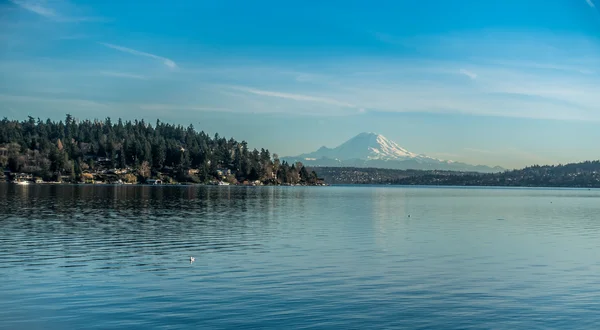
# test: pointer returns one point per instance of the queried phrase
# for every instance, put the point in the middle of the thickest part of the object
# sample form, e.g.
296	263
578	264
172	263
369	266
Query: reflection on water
289	257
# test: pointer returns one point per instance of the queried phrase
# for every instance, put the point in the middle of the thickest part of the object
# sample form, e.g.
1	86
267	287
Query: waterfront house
20	178
23	176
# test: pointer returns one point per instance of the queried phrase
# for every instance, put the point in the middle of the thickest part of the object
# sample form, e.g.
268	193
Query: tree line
50	149
582	175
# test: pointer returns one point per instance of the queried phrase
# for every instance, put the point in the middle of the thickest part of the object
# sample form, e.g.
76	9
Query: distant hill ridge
574	175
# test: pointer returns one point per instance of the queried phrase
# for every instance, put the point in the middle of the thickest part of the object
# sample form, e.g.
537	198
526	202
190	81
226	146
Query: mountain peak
367	134
372	149
365	146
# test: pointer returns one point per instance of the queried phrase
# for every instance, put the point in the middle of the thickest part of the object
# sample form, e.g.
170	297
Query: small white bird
192	259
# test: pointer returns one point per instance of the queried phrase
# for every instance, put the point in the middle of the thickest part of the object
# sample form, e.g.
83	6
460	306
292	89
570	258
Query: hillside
81	151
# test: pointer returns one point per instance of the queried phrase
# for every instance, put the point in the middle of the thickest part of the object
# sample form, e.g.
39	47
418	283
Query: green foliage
52	149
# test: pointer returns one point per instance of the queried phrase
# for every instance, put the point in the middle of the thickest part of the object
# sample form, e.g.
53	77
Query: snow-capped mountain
366	146
375	150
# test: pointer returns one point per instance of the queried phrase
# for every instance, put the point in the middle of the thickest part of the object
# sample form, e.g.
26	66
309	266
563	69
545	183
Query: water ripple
298	257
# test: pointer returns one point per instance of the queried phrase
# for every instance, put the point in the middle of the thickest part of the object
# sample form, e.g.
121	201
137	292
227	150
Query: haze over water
100	257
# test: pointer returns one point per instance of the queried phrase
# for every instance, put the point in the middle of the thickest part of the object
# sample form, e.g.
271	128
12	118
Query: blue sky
508	83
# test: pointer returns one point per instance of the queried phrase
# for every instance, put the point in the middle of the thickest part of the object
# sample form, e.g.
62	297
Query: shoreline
156	185
300	185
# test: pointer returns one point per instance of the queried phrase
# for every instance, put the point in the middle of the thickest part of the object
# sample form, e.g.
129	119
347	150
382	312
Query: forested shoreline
103	151
577	175
135	152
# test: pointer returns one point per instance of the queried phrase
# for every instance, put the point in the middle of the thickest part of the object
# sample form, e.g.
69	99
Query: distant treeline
362	175
50	149
585	174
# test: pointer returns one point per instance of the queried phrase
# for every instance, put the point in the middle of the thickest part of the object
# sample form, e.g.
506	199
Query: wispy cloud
537	65
591	3
295	97
468	73
172	107
168	62
122	75
67	101
39	7
549	87
36	7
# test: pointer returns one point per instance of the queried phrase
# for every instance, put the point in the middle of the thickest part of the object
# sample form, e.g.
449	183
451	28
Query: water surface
99	257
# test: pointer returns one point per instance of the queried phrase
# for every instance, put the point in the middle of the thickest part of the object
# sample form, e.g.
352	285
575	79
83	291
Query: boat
221	183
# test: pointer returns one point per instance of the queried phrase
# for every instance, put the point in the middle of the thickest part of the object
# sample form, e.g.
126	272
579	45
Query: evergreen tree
50	149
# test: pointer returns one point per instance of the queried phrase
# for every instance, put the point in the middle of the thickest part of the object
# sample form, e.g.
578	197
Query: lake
345	257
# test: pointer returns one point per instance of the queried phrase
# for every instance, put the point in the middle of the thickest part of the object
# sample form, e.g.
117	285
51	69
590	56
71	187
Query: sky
499	82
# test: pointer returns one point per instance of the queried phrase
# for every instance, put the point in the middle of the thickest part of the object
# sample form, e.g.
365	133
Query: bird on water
192	259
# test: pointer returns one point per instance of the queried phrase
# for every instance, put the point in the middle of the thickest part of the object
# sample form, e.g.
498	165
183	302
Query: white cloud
122	75
39	7
591	3
541	66
405	86
295	97
168	62
67	101
469	74
547	86
80	104
35	7
180	107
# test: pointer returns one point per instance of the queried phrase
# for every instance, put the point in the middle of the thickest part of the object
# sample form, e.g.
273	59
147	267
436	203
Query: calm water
298	257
